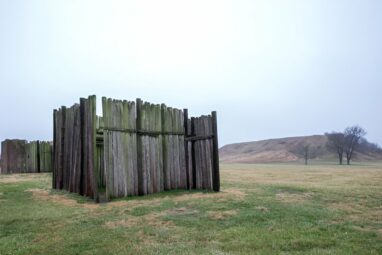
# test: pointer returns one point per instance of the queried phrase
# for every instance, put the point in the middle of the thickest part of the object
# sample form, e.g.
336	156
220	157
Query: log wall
20	156
135	148
74	148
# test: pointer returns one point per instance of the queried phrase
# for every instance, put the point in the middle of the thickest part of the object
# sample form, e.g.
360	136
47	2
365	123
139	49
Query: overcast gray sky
270	68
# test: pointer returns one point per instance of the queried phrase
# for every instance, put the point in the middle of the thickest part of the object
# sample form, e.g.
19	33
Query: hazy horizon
271	69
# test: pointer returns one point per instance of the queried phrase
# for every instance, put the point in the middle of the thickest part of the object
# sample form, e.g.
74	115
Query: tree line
343	144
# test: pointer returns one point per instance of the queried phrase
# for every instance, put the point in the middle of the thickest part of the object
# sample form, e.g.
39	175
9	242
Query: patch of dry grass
44	195
292	197
220	215
151	219
17	178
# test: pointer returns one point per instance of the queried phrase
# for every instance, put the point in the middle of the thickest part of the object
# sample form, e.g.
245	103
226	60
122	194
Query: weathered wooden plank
176	150
54	157
38	158
62	148
166	173
152	168
204	153
182	151
200	155
193	152
66	151
90	173
133	150
216	170
158	150
170	149
160	164
146	173
80	183
208	152
186	147
108	149
140	154
93	138
197	156
75	150
57	149
196	161
189	161
152	148
125	154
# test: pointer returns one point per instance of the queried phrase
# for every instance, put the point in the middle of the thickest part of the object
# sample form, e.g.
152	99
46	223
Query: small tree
336	143
304	150
353	136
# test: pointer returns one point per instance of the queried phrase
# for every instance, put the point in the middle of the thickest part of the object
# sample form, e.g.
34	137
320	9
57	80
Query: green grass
262	209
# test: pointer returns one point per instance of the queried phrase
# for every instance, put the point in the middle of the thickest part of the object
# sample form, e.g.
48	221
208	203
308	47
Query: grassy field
262	209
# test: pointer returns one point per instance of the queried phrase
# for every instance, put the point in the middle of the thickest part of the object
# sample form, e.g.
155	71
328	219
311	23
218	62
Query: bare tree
353	136
336	143
306	153
304	150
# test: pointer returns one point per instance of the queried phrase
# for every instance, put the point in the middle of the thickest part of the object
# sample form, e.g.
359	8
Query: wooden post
38	157
62	146
82	153
92	143
139	147
193	153
54	149
164	119
185	124
216	173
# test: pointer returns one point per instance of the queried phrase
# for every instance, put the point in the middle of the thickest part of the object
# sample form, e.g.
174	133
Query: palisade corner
134	148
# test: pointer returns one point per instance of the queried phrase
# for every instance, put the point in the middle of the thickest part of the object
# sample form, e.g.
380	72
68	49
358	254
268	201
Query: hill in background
289	149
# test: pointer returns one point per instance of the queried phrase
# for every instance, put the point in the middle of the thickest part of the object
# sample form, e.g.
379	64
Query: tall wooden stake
193	154
185	112
216	173
139	147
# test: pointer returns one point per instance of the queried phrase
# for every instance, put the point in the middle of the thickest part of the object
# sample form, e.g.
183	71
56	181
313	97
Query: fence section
13	156
20	156
150	154
74	148
174	159
32	157
67	149
120	148
135	148
202	150
44	156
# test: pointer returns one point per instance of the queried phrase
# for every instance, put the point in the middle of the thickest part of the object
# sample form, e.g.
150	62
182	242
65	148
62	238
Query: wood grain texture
120	148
